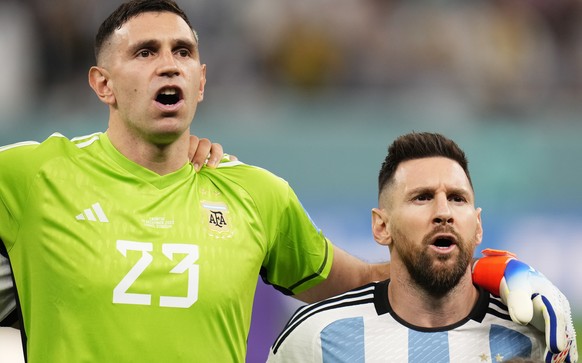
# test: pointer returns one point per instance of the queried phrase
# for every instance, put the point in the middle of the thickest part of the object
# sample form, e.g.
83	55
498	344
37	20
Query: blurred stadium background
315	90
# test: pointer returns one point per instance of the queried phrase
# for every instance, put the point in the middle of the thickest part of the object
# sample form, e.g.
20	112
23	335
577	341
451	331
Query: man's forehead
432	170
153	25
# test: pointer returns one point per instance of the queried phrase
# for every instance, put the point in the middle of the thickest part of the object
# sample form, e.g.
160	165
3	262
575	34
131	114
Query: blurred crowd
494	55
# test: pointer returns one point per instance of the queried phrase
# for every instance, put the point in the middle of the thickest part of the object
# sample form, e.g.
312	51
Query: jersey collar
145	174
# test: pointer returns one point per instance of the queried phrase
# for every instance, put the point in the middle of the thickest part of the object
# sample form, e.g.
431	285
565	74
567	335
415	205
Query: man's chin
167	134
163	141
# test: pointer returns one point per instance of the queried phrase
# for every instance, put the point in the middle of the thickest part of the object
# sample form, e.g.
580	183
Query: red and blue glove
531	299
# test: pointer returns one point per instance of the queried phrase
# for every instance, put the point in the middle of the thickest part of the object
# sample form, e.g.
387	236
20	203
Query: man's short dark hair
131	9
419	145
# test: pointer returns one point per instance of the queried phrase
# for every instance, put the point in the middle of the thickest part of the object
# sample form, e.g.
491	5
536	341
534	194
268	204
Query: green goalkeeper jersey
114	263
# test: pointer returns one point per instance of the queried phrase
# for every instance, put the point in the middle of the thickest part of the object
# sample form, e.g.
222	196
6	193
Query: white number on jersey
120	294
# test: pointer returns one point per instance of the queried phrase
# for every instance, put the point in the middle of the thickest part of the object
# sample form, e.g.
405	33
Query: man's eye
457	199
144	53
423	197
184	52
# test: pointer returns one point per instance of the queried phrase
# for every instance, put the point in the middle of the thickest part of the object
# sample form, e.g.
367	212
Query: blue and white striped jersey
360	326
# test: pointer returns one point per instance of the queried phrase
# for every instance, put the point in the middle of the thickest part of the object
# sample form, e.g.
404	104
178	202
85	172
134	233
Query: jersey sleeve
293	351
14	183
21	165
298	342
14	186
300	256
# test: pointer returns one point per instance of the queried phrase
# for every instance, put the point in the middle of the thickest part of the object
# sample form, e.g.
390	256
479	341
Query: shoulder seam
229	164
18	144
84	141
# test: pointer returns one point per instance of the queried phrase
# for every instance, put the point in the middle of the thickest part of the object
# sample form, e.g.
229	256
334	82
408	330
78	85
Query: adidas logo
94	214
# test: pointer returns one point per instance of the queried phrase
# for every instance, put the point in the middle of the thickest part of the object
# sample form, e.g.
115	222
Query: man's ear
380	224
99	81
202	82
479	232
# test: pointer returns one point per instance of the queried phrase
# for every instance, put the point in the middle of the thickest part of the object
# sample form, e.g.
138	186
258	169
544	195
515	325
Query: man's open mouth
443	242
169	96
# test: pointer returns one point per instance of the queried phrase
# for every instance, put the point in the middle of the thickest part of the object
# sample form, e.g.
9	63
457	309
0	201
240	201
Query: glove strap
489	270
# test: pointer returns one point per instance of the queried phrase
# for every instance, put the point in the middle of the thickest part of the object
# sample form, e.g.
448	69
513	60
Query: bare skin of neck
417	307
163	157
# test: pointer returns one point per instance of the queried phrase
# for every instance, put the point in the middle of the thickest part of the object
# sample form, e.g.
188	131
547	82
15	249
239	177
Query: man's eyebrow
420	190
464	192
430	190
154	44
188	44
144	44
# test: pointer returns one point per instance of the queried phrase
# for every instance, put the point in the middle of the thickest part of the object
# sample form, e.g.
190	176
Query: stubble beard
434	274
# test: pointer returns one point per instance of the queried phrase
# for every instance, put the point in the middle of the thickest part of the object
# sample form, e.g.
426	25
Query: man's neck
416	306
160	158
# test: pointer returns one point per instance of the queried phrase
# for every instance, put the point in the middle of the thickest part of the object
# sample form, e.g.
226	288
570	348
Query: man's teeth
169	92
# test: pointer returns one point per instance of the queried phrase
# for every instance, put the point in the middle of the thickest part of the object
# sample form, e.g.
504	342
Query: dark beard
437	280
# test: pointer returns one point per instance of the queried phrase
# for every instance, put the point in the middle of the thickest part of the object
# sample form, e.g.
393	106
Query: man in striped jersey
429	310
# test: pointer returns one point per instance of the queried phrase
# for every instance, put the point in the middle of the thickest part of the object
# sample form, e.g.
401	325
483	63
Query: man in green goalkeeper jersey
121	250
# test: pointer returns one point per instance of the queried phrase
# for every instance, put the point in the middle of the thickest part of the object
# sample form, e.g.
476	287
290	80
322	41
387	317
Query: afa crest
217	218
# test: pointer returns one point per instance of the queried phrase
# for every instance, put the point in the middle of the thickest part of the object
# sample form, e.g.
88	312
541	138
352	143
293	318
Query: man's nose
443	213
168	65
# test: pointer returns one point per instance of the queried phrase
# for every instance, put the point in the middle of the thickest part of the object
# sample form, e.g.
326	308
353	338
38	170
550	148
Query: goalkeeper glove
531	299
